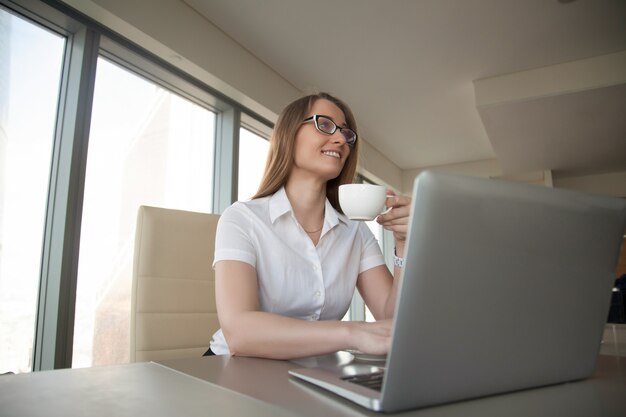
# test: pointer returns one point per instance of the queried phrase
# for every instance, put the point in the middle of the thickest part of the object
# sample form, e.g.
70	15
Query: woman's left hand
397	219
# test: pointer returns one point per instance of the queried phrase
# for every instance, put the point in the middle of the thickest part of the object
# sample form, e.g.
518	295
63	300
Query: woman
287	261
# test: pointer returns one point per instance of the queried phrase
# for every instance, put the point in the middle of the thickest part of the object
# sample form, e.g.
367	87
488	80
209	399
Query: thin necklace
315	231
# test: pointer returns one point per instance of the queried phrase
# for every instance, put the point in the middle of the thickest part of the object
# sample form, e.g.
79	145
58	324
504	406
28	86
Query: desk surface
233	386
604	394
132	390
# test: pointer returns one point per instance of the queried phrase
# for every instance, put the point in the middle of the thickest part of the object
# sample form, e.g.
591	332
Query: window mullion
57	294
226	159
357	307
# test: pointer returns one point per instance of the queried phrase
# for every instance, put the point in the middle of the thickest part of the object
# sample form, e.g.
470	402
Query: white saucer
366	357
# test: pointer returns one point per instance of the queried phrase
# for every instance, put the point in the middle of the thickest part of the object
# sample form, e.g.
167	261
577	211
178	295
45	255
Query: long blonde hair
280	159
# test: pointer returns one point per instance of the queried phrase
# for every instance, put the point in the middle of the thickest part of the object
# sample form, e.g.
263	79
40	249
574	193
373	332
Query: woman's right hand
371	337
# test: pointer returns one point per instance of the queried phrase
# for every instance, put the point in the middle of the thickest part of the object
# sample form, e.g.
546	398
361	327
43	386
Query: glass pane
378	231
147	146
253	151
30	73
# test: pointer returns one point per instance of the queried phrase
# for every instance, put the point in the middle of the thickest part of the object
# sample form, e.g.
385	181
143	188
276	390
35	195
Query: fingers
399	214
394	200
382	327
374	337
396	220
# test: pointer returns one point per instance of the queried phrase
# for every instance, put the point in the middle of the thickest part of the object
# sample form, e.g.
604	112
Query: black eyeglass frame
315	118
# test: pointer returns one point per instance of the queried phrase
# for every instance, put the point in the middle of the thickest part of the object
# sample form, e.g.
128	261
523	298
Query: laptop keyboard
372	380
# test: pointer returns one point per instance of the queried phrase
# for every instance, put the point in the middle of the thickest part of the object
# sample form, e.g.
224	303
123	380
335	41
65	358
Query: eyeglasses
325	124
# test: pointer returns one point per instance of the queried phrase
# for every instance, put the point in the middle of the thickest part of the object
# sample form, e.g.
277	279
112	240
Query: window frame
86	40
357	305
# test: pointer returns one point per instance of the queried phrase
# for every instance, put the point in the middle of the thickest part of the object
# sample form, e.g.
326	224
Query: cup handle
388	209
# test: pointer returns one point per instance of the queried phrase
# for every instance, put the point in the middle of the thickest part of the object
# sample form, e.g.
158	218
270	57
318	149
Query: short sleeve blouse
295	278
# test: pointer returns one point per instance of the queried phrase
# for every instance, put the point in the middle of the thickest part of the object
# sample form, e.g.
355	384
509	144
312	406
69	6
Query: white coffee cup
362	201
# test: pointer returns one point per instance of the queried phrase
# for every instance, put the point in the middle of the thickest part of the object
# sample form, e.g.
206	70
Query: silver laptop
507	286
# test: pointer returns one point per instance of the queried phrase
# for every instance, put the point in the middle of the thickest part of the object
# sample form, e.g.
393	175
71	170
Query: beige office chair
173	313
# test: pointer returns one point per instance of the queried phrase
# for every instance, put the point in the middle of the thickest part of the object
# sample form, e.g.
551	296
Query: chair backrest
173	313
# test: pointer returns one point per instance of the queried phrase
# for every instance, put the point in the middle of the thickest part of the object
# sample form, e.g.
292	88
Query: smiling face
317	154
288	144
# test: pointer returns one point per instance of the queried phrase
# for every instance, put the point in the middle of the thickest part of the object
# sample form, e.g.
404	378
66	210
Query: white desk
604	394
133	390
225	386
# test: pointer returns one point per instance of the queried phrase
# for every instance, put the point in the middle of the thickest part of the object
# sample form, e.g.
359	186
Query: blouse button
317	293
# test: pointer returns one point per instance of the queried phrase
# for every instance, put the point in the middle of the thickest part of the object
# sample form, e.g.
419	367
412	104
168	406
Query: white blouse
295	278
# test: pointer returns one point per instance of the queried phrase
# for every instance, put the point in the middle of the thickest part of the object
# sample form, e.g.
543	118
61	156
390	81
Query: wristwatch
397	261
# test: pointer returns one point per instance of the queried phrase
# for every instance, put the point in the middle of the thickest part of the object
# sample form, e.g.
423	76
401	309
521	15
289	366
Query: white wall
488	168
176	33
611	184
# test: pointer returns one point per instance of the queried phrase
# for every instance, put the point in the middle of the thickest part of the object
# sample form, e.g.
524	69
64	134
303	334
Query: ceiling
408	70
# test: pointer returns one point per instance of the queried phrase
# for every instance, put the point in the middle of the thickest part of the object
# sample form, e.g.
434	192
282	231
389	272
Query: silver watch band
399	262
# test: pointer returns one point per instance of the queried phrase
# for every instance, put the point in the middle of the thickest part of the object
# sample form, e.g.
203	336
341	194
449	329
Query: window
379	233
92	126
30	71
147	146
253	150
358	310
99	128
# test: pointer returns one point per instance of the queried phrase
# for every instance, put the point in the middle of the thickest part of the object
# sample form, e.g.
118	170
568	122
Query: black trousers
209	353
